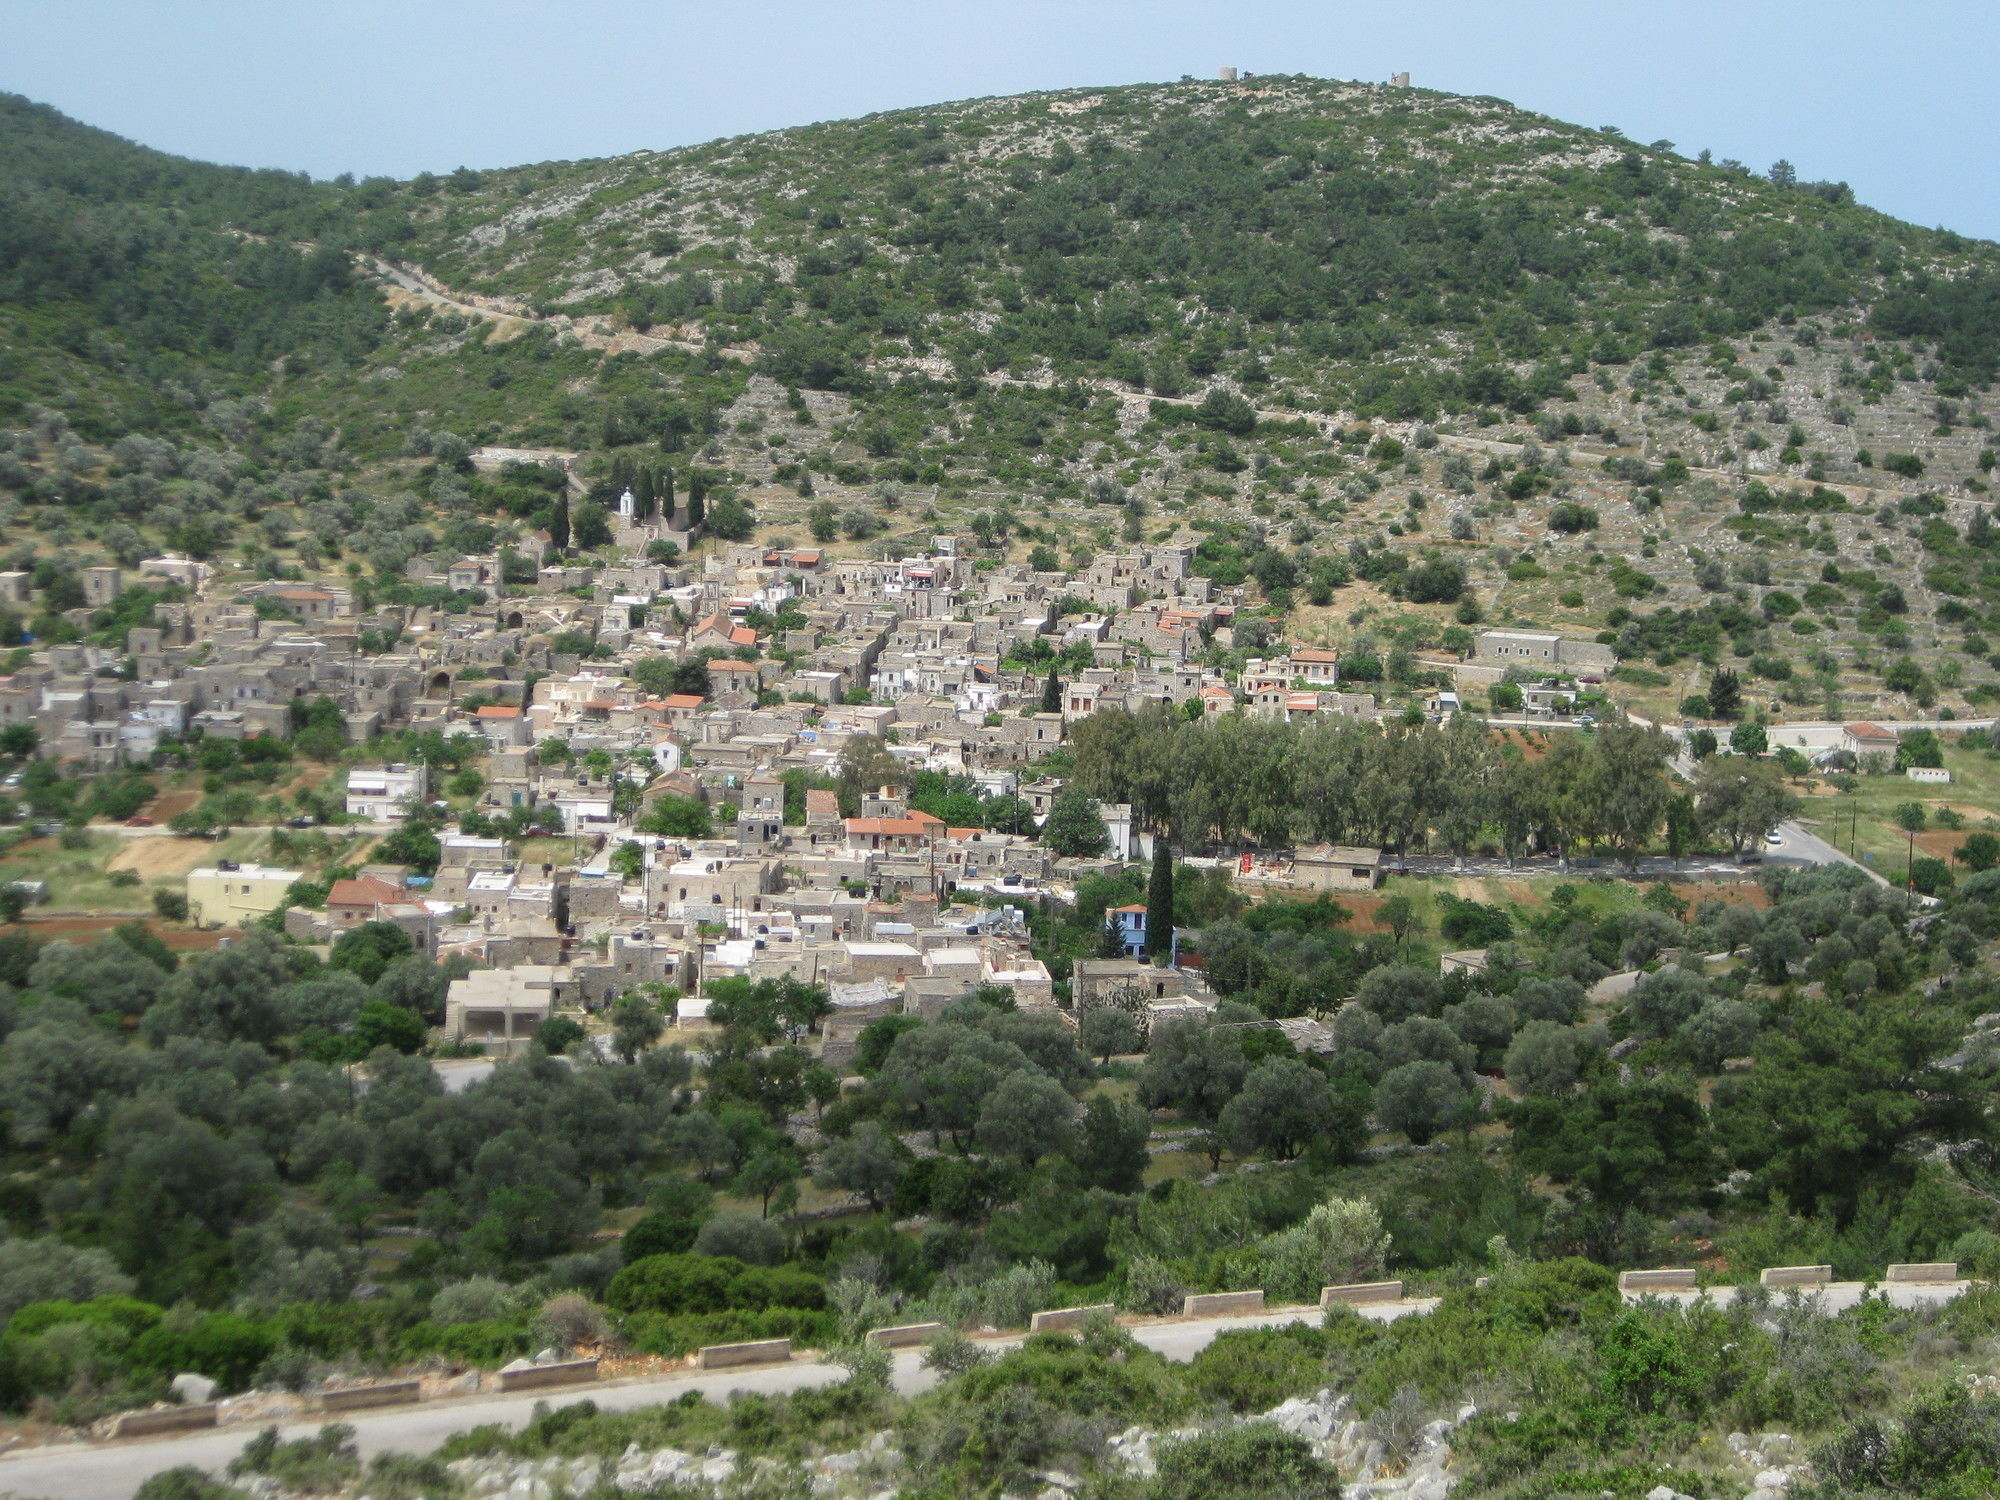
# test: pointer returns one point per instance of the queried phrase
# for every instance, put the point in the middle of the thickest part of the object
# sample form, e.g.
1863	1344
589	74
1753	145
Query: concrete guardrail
569	1372
163	1419
1675	1280
1358	1292
904	1335
361	1397
1795	1276
1068	1317
1932	1272
758	1352
1220	1304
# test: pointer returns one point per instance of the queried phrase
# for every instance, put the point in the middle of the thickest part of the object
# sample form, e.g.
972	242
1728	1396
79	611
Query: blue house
1131	924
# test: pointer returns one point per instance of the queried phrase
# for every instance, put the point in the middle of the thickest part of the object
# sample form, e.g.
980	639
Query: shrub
1254	1459
743	1237
710	1283
661	1232
1253	1369
482	1299
486	1343
45	1270
185	1482
225	1346
1341	1240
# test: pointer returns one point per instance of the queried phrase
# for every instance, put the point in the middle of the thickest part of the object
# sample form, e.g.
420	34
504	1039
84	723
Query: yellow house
229	894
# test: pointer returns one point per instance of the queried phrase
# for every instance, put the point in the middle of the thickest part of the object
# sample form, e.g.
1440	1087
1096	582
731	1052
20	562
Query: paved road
1802	843
113	1471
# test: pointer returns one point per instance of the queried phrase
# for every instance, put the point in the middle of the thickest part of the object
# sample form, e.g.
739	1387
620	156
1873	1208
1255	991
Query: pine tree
1160	900
559	523
1052	694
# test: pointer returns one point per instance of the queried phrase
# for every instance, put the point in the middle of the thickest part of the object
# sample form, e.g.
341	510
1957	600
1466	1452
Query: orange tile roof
910	825
363	890
499	711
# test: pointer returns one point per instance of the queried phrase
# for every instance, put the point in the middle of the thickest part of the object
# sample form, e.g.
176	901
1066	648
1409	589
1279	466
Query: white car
1774	838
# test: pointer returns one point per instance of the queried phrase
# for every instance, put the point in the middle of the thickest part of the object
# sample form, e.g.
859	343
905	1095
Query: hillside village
908	655
922	662
1256	785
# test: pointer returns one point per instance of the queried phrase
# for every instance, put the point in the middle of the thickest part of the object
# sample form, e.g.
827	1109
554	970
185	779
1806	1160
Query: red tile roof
364	890
916	823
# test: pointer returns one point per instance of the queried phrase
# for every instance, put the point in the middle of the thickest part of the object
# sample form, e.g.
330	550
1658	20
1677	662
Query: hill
1324	329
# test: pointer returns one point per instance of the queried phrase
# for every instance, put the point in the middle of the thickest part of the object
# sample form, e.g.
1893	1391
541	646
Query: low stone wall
1679	1279
1358	1292
361	1397
1221	1304
1930	1272
904	1335
534	1377
1068	1317
761	1352
163	1419
1796	1276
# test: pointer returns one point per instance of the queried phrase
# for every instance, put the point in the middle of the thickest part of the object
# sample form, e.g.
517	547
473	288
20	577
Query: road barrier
1220	1304
1681	1279
759	1352
1359	1292
361	1397
1924	1273
533	1377
904	1335
1068	1317
163	1419
1795	1276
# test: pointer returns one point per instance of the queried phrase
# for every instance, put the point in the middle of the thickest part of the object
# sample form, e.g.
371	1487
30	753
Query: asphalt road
113	1471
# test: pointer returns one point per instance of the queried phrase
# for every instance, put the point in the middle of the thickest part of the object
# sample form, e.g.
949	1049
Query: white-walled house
378	793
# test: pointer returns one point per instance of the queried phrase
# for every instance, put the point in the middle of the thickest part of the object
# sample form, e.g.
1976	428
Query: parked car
1774	838
138	820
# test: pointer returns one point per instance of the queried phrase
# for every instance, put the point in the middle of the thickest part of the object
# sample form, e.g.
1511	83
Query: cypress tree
559	522
1052	694
1160	899
697	494
667	492
642	494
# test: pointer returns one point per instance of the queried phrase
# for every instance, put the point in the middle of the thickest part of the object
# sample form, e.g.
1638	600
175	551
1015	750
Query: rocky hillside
1322	328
